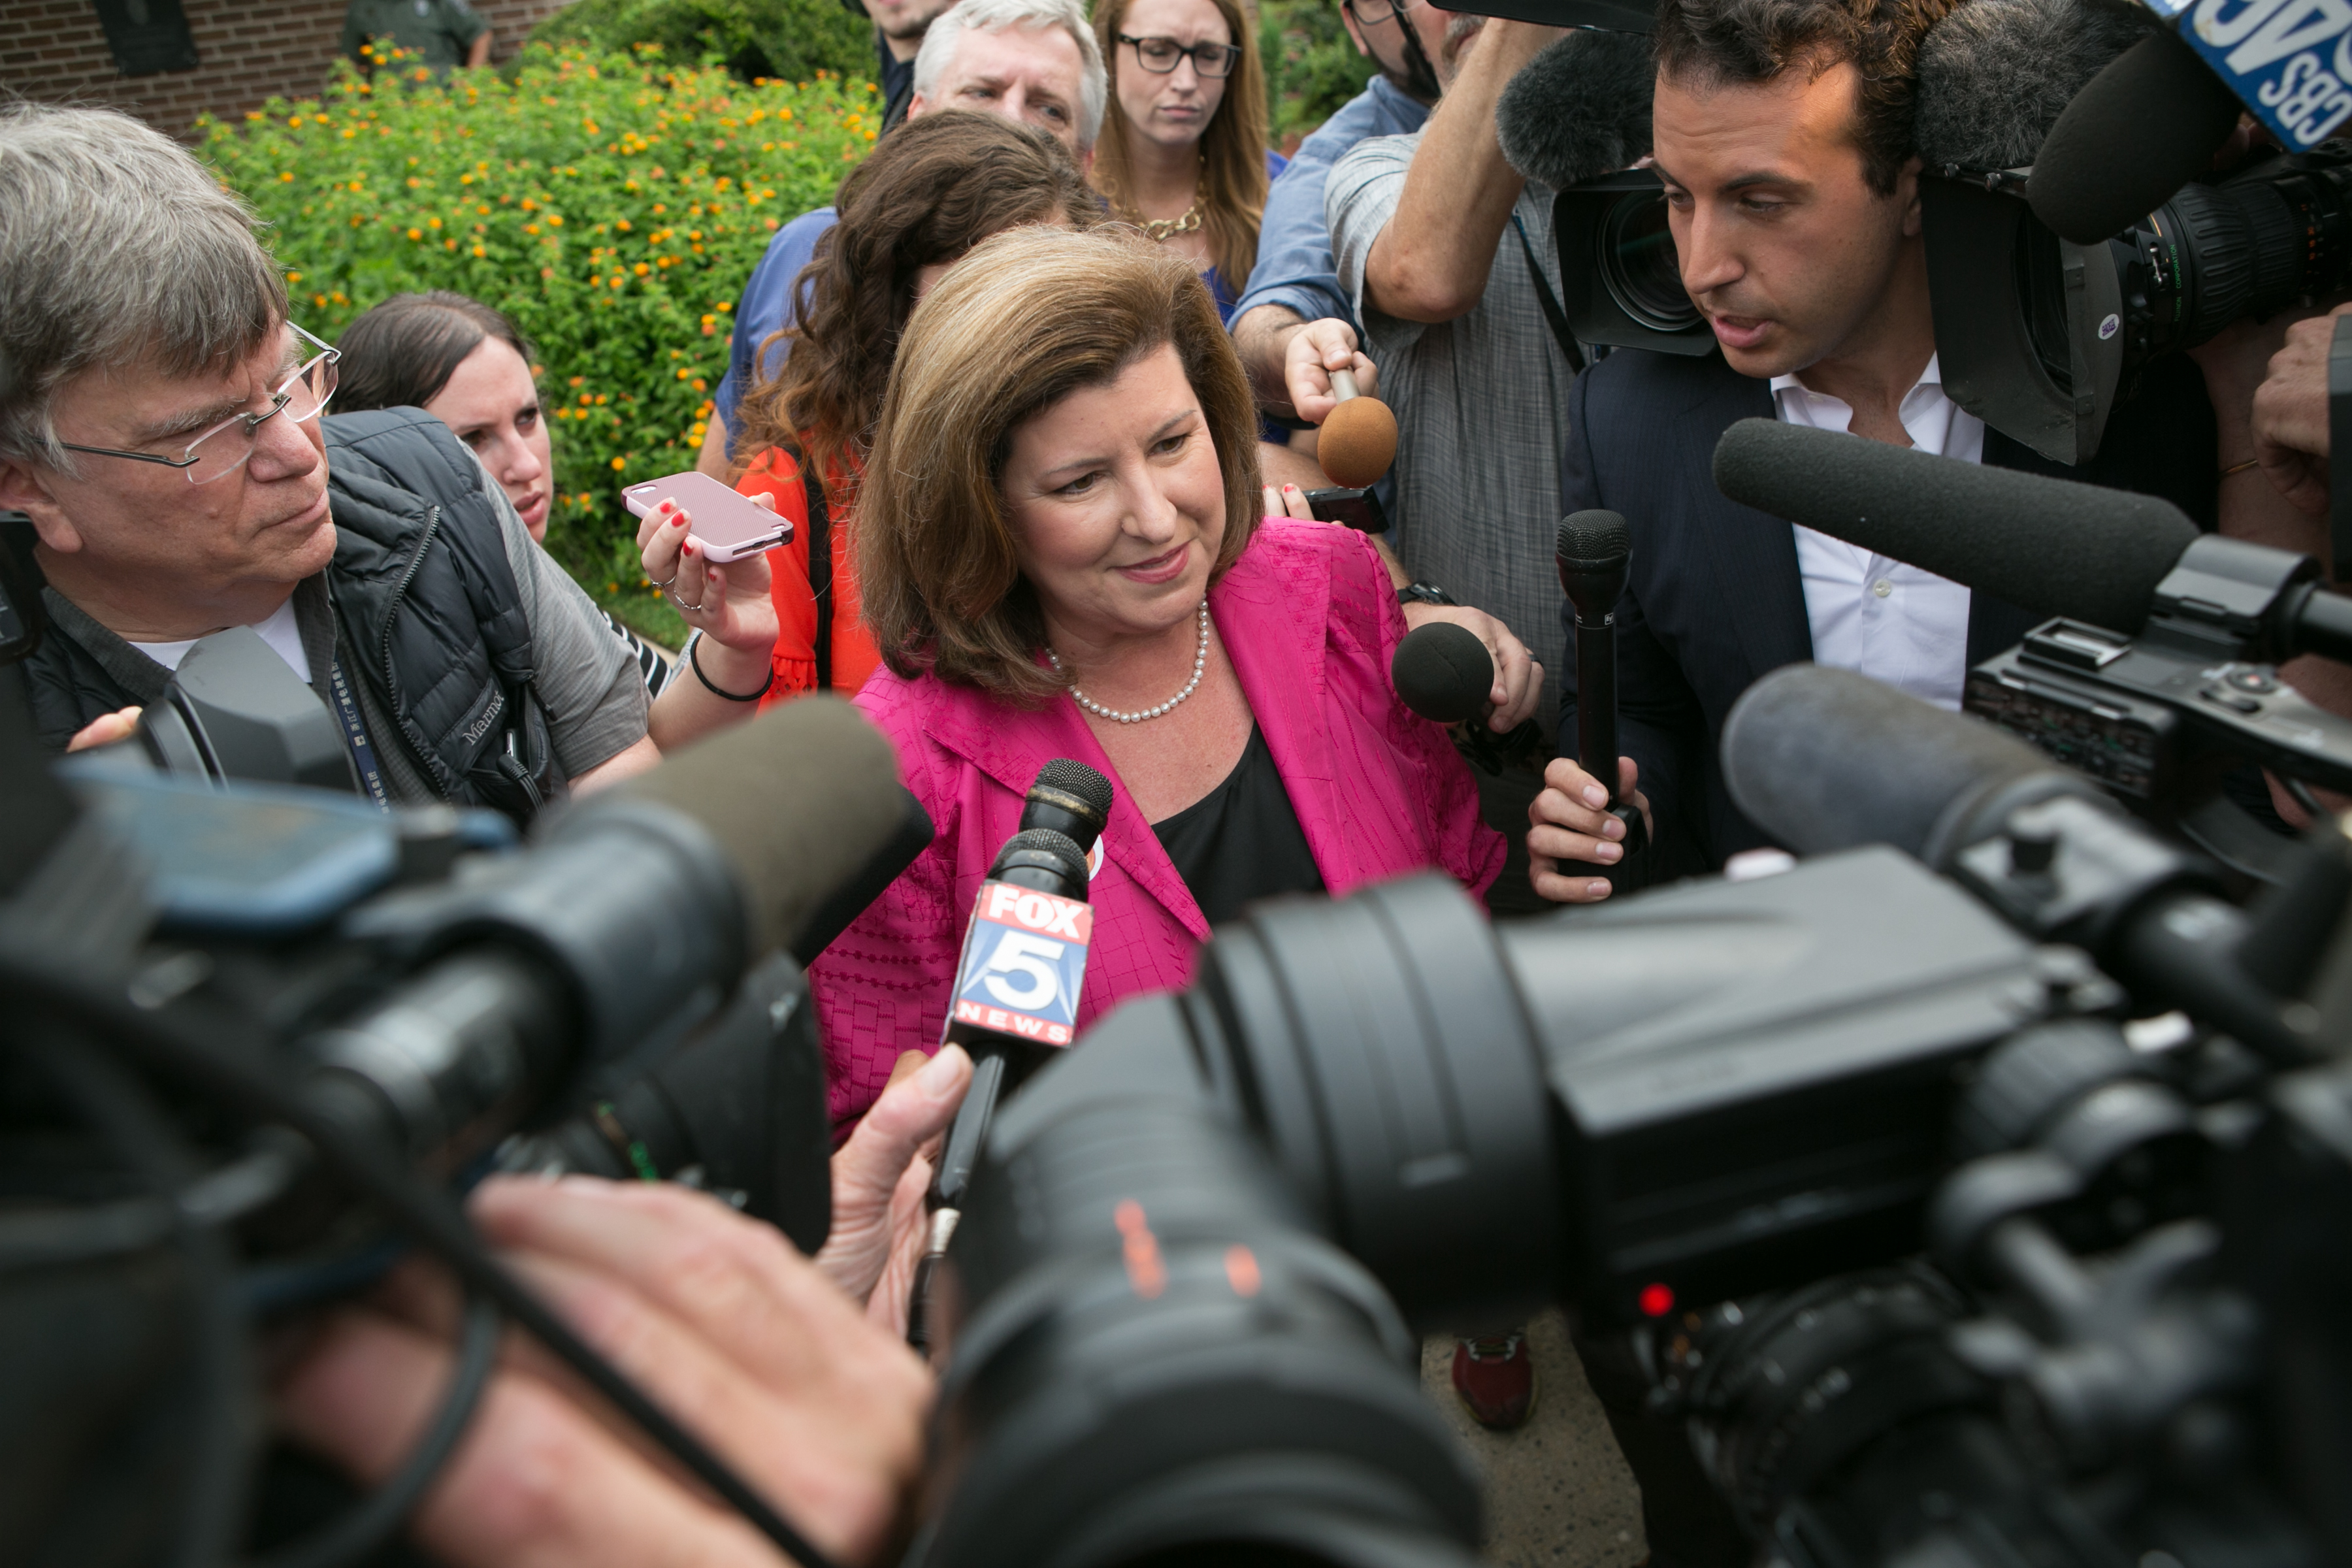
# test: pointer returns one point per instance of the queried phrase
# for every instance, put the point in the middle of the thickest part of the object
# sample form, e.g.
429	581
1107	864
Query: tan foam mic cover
1359	442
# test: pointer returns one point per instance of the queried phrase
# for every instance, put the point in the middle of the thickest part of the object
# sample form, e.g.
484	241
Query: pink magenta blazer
1309	620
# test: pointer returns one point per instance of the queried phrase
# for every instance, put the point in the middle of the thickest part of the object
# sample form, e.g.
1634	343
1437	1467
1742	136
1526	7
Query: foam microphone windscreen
2052	546
2138	131
1825	760
1443	672
1357	443
1579	110
804	800
1995	75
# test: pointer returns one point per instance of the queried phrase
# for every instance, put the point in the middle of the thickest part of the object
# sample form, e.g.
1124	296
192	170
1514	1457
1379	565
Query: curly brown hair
932	190
1038	315
1708	42
1233	147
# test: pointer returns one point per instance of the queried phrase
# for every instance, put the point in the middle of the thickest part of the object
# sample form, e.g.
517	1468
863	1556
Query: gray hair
116	249
1001	16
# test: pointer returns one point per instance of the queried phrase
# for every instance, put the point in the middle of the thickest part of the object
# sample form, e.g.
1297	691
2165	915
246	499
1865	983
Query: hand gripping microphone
1017	983
1595	549
1443	672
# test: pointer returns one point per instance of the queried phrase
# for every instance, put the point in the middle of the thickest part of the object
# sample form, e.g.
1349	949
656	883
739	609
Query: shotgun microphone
1594	551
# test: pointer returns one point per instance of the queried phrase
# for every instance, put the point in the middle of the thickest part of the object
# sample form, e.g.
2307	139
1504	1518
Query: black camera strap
1551	303
2339	444
820	565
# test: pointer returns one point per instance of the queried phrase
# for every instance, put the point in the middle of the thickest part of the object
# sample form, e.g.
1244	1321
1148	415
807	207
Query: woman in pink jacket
1061	553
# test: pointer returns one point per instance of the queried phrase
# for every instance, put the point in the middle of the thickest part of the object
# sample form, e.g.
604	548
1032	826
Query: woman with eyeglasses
1184	157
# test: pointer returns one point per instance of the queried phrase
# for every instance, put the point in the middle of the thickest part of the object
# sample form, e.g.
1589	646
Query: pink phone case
726	526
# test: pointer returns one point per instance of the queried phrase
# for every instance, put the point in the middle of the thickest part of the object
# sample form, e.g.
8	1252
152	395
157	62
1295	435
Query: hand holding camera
713	1313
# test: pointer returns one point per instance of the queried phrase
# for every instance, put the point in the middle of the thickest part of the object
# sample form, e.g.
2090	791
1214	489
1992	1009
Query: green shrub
1312	67
790	39
613	207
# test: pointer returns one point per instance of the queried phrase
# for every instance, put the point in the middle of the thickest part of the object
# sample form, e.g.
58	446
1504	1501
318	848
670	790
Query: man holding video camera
165	437
1782	135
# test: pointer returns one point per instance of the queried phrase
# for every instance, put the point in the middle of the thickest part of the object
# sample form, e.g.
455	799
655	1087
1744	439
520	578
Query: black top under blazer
1714	600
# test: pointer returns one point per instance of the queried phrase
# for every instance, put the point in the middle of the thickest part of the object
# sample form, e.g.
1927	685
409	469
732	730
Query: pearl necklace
1199	662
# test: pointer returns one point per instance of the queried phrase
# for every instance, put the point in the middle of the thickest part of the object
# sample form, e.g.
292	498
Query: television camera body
1936	1262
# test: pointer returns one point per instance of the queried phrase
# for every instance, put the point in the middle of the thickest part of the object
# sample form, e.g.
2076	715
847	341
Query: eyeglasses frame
328	354
1184	51
1395	10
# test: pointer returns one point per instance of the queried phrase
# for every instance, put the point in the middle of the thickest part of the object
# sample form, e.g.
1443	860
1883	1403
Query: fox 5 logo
1026	955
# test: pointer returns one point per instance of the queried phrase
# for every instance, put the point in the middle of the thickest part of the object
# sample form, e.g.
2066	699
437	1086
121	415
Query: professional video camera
2042	335
252	1035
1942	1258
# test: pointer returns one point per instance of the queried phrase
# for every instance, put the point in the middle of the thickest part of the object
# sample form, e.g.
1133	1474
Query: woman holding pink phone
465	363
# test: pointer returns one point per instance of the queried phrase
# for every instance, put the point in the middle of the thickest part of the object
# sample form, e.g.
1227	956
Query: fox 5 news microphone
1018	979
1594	551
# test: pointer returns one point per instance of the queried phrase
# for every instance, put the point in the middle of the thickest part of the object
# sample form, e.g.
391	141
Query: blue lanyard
355	733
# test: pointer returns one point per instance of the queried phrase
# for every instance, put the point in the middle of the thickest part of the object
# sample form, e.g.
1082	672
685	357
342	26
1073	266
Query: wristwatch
1423	594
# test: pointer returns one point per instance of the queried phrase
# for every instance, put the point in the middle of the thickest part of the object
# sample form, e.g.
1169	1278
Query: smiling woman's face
1117	504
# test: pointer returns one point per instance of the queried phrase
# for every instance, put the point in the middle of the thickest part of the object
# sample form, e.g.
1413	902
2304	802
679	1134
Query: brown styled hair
930	190
1706	42
1233	147
1035	315
401	353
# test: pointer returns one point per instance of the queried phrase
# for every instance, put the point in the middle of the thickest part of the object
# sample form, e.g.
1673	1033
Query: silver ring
682	605
665	586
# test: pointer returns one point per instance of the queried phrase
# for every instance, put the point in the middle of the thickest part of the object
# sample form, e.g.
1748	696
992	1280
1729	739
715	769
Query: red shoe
1495	1379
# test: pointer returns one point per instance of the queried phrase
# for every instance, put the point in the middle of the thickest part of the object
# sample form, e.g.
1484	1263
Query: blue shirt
766	307
1295	265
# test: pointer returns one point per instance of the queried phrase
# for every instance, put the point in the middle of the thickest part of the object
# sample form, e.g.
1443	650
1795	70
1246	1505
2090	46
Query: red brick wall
250	50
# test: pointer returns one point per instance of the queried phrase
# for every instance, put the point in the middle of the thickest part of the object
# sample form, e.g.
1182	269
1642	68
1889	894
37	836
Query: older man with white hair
164	435
1032	61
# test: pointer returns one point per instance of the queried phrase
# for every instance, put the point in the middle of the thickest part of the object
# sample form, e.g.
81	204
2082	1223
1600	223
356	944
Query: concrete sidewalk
1557	1492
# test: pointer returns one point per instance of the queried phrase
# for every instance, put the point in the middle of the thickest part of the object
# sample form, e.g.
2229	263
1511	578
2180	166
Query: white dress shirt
1893	623
278	630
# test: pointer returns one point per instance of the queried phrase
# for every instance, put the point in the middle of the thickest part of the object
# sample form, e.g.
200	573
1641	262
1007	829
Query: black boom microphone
2110	557
2165	640
1825	760
2052	546
1595	551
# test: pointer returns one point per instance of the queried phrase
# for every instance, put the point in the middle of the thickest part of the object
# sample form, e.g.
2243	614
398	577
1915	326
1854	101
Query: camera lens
1639	263
1154	1359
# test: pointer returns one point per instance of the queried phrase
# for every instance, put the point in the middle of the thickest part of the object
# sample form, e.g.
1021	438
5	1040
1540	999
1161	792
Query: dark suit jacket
1714	600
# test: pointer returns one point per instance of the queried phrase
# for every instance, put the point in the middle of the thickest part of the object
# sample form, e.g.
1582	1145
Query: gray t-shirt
1482	412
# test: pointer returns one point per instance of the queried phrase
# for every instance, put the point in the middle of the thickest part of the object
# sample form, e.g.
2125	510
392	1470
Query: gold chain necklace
1164	229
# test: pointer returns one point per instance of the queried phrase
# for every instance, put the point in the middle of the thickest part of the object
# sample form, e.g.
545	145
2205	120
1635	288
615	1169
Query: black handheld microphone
1443	672
1595	550
1015	1001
